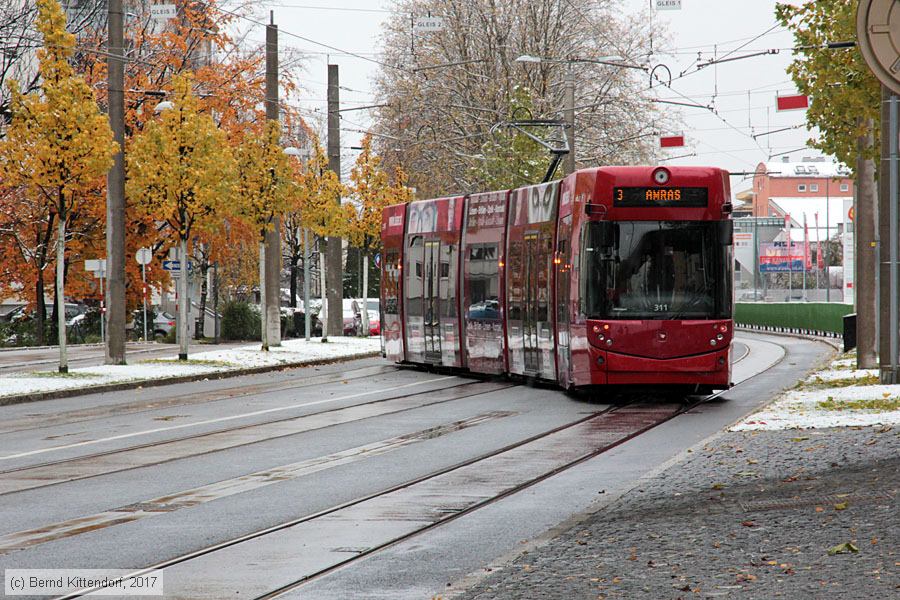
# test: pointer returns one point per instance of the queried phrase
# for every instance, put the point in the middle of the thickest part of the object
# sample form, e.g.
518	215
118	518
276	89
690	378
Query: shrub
138	331
240	321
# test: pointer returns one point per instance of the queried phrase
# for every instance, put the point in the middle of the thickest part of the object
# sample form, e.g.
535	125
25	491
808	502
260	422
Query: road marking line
218	420
229	487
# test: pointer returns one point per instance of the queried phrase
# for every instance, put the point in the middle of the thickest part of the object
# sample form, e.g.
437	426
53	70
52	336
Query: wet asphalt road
131	479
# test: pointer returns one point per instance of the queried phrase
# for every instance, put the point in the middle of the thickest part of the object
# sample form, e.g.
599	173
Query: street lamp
163	106
181	321
303	155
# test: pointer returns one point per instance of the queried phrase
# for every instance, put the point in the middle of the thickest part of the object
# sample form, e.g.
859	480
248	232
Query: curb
831	341
148	383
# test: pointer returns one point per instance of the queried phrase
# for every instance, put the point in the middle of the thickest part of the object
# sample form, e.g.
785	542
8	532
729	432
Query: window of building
845	187
814	187
801	187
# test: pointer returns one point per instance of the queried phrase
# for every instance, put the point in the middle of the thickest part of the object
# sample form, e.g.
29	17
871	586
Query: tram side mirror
726	232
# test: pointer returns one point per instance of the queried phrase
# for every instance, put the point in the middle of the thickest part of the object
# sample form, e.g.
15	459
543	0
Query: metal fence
815	318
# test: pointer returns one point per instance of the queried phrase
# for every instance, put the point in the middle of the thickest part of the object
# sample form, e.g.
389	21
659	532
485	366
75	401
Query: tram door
432	264
530	313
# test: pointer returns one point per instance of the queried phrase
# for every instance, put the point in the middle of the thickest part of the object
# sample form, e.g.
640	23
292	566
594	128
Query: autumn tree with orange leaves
264	178
57	146
181	172
315	195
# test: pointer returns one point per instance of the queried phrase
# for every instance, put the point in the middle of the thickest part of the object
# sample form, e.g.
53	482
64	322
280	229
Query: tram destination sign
657	196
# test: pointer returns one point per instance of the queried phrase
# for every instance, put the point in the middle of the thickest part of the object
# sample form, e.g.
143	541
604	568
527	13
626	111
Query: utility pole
888	225
115	192
334	269
272	244
865	227
570	118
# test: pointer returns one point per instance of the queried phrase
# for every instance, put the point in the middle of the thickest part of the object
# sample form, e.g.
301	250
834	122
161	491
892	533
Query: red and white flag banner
792	102
671	141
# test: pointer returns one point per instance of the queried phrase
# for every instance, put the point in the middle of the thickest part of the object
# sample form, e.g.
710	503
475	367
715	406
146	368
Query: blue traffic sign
175	265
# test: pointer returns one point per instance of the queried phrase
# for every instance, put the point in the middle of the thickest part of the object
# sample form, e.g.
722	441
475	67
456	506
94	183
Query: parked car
163	324
21	313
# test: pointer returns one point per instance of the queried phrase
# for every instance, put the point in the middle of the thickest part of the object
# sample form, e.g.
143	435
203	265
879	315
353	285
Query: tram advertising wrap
614	276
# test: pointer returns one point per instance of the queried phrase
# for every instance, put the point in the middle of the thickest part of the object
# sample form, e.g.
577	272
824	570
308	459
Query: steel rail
227	393
417	480
322	513
489	501
236	428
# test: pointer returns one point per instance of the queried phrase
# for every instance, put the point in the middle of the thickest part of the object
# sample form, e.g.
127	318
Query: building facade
810	178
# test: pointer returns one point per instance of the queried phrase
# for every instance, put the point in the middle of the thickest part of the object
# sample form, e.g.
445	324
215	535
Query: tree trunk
60	292
40	309
183	304
294	258
323	313
263	313
365	295
865	228
204	274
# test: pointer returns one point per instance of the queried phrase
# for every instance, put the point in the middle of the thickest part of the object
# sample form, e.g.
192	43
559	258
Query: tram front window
656	270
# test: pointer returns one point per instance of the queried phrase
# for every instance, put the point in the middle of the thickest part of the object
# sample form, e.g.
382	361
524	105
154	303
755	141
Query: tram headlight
609	342
661	176
713	342
720	337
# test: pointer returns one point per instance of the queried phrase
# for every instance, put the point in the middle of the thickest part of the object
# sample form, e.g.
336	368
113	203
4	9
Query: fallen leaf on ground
840	506
718	486
820	509
748	523
842	549
800	439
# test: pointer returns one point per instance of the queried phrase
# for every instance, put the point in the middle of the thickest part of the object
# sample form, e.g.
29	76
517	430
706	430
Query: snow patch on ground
291	353
802	407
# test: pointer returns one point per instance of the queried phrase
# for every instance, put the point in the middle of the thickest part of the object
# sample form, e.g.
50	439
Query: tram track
36	421
48	473
614	425
41	475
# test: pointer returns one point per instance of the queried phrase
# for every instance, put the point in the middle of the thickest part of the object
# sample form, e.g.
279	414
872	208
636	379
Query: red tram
612	276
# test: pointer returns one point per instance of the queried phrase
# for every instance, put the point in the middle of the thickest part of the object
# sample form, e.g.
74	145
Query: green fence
804	317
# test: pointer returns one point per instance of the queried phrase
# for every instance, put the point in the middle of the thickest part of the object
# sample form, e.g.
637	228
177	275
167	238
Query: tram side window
391	282
515	281
415	281
544	268
484	282
563	280
447	284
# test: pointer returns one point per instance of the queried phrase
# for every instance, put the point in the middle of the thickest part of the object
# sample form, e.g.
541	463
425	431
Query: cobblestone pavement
751	515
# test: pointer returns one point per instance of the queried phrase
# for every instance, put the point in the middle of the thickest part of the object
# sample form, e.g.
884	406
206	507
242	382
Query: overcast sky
707	26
